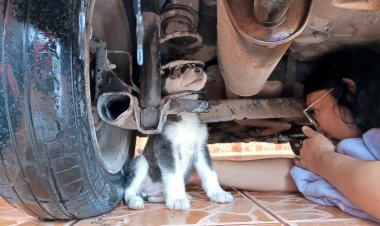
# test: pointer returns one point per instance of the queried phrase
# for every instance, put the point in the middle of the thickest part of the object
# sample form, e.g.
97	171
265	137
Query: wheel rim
112	144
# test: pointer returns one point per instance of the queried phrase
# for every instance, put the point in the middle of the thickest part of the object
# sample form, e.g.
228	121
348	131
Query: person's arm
256	175
356	179
253	175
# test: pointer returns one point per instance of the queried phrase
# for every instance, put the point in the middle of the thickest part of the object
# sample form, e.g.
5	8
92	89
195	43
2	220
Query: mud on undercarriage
256	53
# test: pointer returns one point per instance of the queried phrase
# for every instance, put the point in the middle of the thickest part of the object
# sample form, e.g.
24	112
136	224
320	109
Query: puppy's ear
350	84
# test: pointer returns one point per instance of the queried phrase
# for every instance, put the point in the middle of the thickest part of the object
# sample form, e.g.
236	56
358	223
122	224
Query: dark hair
360	63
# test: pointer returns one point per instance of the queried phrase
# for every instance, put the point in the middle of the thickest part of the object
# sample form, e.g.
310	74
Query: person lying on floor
339	162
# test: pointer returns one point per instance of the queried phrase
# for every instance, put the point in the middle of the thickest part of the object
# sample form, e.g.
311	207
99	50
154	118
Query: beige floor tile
294	209
10	216
262	209
350	222
203	212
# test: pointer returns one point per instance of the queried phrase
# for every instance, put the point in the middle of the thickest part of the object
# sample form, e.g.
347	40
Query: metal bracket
121	109
105	79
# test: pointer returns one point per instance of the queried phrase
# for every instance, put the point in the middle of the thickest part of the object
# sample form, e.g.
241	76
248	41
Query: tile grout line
75	222
264	208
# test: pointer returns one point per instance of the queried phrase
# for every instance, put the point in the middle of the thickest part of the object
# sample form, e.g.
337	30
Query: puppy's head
187	77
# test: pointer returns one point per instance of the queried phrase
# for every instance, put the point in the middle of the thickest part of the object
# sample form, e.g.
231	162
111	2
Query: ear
350	84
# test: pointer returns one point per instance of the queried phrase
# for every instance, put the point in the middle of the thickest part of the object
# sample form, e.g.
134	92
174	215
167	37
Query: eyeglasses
310	113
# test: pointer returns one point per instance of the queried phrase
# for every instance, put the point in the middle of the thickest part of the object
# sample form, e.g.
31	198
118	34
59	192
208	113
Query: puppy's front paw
178	204
134	202
222	197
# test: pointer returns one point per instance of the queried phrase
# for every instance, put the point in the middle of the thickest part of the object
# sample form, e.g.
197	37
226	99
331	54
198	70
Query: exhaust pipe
117	109
121	109
270	12
253	36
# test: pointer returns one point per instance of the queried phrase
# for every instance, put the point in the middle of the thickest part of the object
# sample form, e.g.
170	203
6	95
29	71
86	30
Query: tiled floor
249	208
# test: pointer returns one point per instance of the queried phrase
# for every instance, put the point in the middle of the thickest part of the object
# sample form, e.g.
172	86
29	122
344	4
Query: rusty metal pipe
117	109
270	12
248	51
245	109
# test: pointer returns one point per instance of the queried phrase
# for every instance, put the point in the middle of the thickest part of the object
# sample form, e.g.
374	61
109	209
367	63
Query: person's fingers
309	132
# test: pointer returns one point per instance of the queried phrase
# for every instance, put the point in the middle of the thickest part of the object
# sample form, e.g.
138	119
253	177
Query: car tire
51	154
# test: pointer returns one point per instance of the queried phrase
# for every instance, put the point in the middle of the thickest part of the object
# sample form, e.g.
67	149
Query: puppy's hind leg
135	175
209	178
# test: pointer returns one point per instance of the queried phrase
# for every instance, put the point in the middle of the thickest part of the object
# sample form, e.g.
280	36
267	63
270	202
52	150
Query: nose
198	70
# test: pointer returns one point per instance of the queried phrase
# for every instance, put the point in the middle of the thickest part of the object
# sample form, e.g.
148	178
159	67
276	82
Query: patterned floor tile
350	222
294	209
249	208
203	212
10	216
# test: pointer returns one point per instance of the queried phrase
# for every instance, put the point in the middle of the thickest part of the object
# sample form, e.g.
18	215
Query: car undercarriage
79	79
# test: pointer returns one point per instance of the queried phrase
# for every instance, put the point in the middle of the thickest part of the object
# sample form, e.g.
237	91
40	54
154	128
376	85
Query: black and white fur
160	174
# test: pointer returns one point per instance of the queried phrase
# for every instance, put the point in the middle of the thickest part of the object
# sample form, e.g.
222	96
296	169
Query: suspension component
180	24
150	92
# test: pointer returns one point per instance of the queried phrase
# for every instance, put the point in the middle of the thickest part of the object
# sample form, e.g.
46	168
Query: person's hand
312	149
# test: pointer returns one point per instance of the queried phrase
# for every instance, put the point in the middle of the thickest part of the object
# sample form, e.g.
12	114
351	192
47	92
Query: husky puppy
161	172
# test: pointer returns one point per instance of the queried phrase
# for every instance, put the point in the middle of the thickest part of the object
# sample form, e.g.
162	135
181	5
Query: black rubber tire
49	164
